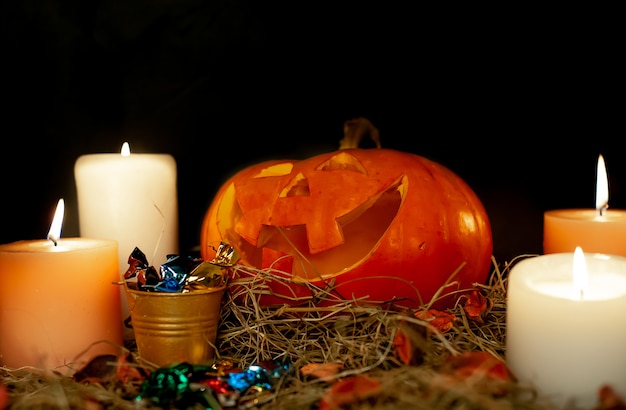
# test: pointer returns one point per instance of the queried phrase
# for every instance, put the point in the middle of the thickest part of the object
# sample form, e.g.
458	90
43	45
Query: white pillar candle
565	336
131	198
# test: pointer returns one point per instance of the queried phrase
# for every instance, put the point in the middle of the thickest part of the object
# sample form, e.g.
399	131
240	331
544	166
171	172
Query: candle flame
57	222
581	277
602	187
125	149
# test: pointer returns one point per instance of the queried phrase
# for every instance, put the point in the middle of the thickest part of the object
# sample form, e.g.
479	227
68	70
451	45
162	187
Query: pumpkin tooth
248	231
298	186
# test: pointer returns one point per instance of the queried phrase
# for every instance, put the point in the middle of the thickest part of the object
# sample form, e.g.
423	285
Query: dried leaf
128	370
322	371
440	320
97	370
609	399
477	306
410	343
486	371
470	364
4	397
349	391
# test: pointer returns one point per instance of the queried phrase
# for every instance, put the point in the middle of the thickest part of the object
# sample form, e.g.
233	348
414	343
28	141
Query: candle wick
602	209
53	239
581	294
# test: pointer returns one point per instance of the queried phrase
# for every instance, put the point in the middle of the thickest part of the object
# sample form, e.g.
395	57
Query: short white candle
565	338
131	198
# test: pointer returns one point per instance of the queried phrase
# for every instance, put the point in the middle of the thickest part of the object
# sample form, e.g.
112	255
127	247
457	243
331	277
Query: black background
518	102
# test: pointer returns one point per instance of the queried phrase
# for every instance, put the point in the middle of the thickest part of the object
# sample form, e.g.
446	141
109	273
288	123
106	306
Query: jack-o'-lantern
370	224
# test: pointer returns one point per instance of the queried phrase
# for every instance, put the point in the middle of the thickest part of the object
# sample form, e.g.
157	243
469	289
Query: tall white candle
132	198
566	337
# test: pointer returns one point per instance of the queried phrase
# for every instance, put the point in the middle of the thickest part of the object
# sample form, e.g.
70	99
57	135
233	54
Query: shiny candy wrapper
172	386
206	274
179	273
175	272
225	255
184	384
140	271
137	266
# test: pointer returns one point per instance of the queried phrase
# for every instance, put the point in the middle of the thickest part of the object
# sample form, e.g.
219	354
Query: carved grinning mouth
362	229
353	235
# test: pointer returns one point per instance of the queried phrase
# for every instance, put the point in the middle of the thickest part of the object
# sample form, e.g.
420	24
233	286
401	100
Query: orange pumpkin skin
378	224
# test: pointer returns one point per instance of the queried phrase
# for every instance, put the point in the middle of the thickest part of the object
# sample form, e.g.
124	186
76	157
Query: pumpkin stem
355	129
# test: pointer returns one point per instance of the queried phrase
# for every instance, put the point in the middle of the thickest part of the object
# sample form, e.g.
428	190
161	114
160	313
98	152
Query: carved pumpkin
375	223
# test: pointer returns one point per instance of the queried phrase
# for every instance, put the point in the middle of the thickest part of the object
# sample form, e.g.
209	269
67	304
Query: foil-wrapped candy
180	273
185	383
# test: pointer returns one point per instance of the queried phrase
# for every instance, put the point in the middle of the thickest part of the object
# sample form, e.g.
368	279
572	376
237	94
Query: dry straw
358	337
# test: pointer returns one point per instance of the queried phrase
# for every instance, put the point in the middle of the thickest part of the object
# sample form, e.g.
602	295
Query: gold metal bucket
175	327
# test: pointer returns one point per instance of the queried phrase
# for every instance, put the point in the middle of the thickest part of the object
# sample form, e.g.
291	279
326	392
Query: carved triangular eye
342	161
276	170
298	186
